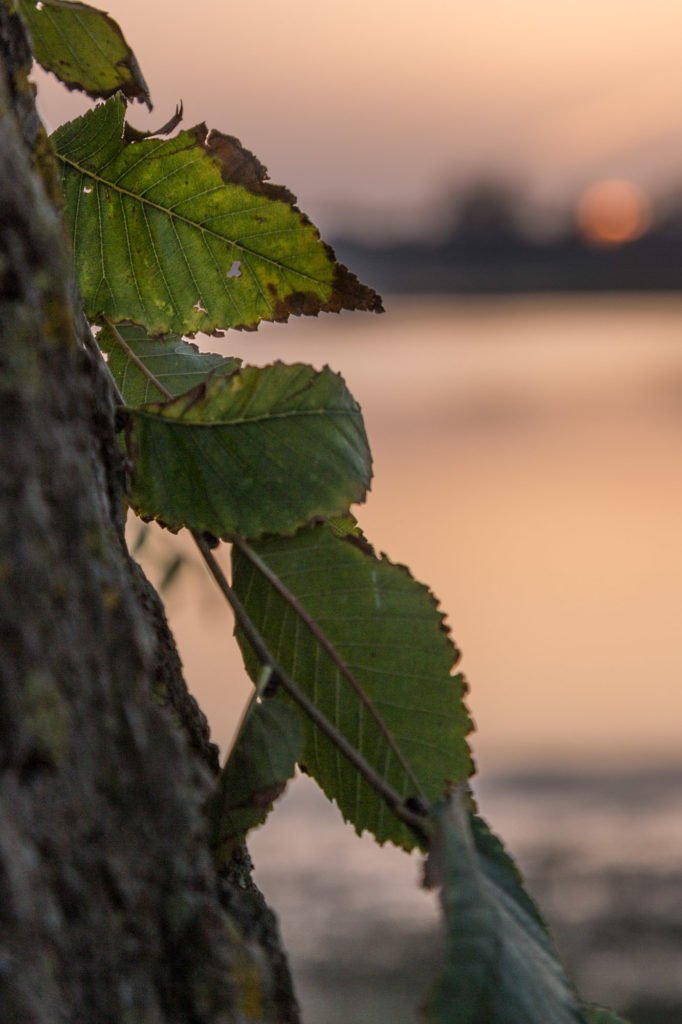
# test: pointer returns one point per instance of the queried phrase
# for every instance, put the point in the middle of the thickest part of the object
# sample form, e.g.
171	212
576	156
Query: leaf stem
329	648
120	340
416	822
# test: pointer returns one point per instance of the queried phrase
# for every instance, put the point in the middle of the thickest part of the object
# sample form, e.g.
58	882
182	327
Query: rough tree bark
110	910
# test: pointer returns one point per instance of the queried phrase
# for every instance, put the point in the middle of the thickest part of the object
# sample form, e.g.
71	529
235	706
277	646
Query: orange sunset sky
372	110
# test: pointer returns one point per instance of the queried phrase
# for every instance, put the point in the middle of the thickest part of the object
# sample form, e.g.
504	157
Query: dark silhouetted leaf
500	964
185	234
261	451
84	47
177	364
411	724
264	757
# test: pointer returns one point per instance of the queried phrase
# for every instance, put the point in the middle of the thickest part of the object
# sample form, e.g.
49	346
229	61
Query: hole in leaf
235	270
87	189
199	308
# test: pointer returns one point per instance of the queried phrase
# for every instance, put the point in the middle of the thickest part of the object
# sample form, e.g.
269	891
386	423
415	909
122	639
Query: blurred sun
613	212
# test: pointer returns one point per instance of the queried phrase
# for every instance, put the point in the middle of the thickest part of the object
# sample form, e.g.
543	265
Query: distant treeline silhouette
487	246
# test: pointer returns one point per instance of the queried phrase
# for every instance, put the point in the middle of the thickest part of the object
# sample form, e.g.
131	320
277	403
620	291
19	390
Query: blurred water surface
600	852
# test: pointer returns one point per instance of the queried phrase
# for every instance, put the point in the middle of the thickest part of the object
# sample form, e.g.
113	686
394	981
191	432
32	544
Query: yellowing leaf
84	47
185	234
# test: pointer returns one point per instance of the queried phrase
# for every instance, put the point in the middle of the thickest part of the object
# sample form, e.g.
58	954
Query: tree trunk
110	909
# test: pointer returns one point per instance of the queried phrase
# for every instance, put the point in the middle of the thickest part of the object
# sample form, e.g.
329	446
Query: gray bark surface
110	909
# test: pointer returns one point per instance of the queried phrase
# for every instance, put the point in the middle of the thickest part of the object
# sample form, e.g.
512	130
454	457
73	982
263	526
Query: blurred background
510	176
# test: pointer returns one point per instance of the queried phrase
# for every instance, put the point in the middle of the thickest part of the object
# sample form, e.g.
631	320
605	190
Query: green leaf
262	761
599	1015
500	964
185	234
409	720
261	451
84	47
177	364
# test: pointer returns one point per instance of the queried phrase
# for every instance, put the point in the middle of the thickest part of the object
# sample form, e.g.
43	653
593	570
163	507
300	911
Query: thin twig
416	822
334	655
120	340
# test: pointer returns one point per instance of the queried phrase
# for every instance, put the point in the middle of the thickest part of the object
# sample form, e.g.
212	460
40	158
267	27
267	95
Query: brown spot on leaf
240	166
350	293
347	293
298	304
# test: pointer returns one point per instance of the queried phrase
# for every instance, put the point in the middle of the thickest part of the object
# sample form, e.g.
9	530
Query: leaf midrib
243	421
244	249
